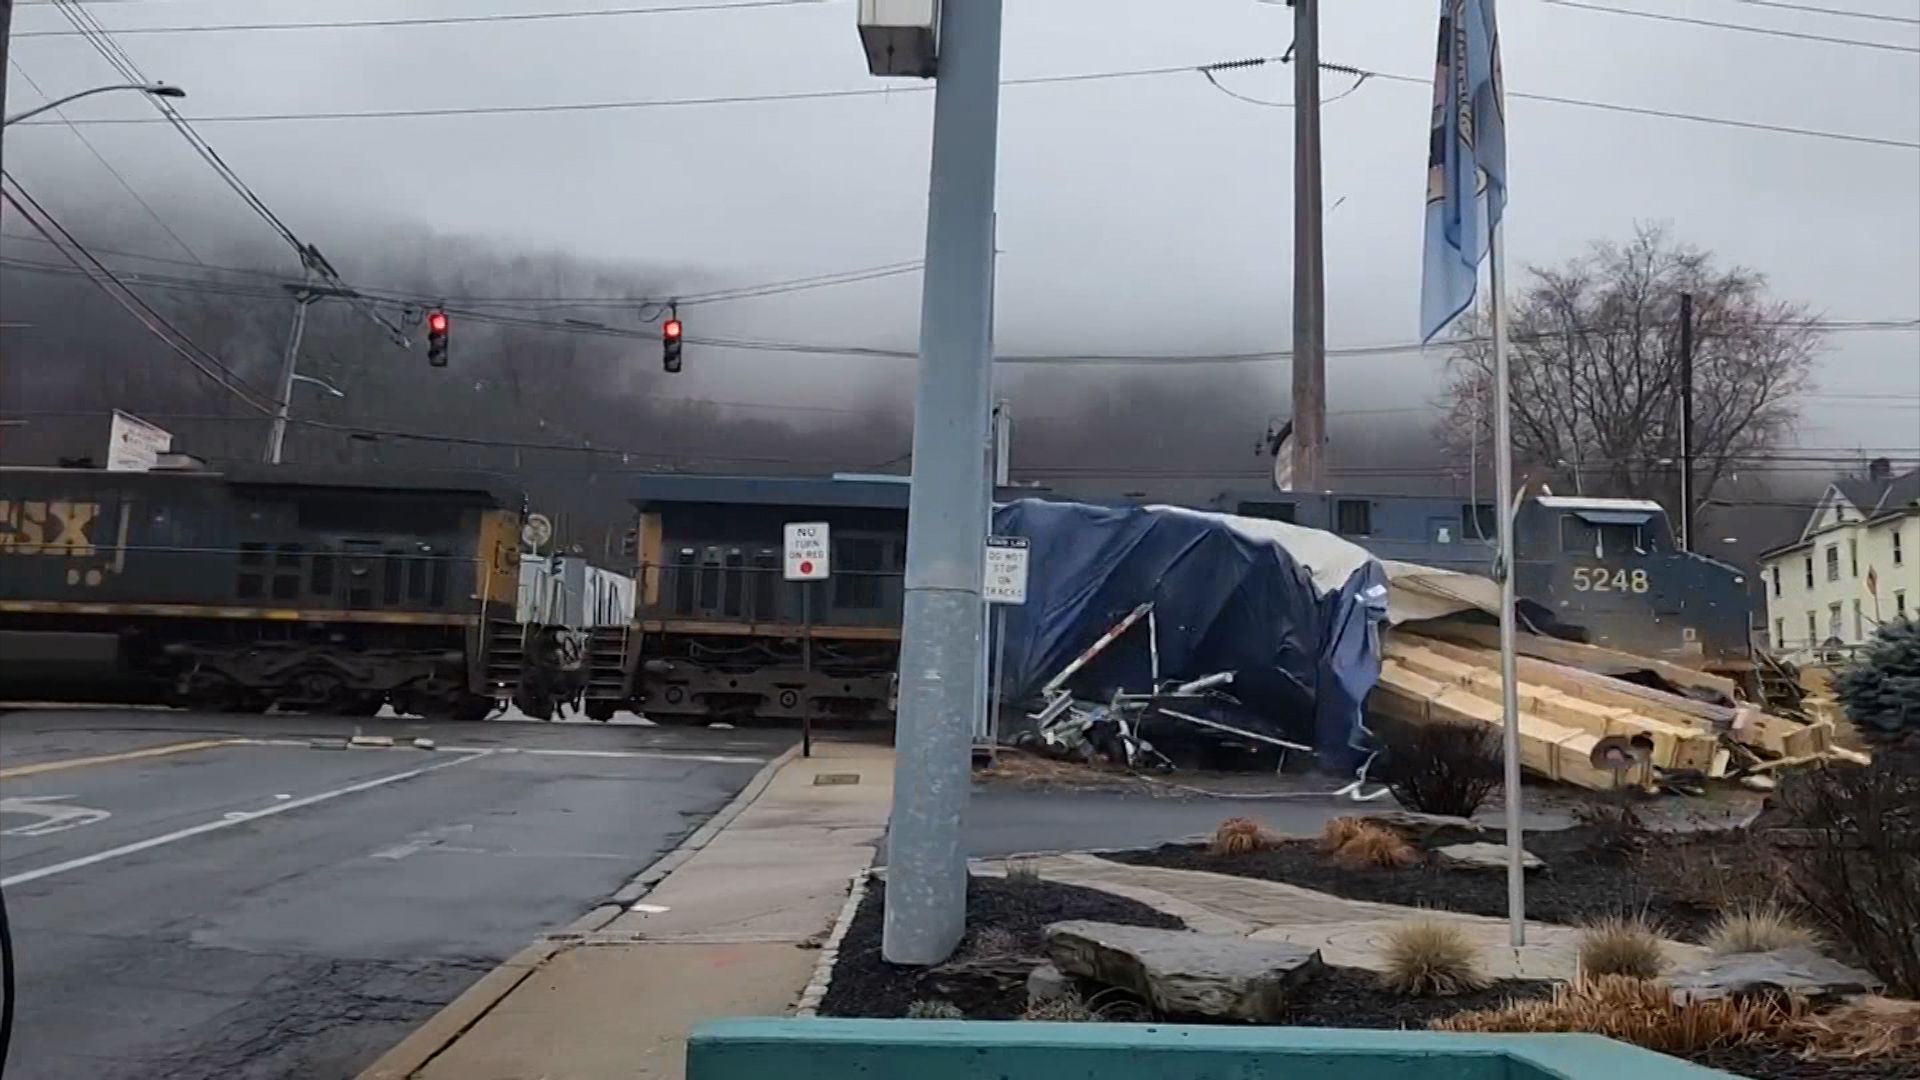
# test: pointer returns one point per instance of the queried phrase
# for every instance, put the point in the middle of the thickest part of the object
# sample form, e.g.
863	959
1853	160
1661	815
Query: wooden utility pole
1309	277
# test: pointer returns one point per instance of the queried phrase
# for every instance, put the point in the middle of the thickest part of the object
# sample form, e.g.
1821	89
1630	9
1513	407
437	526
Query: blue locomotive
1606	571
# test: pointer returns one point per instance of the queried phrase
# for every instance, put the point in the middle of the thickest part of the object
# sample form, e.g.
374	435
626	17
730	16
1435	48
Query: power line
207	363
108	165
1845	13
1739	27
864	92
436	20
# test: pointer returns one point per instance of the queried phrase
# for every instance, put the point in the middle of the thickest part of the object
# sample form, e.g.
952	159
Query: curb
816	990
443	1028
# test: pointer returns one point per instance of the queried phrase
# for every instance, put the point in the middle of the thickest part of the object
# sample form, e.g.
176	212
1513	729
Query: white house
1855	565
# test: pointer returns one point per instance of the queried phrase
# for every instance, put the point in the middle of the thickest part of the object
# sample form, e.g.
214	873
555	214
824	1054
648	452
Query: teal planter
983	1050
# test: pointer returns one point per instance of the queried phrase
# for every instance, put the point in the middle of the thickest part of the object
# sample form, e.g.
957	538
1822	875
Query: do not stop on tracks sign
808	551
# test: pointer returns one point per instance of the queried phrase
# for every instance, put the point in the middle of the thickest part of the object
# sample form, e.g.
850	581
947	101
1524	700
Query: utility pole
1686	421
6	35
304	296
942	646
1309	270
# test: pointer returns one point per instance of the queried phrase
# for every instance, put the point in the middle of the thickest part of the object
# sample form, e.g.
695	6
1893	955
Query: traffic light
670	343
437	338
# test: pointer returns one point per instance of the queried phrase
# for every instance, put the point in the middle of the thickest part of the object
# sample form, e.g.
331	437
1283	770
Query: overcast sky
1135	214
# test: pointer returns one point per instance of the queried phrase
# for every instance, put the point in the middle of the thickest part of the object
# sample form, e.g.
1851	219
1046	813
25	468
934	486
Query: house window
1268	511
1833	622
1353	517
1853	556
1809	571
1776	581
1779	633
1813	630
1898	558
1900	604
1859	624
1833	562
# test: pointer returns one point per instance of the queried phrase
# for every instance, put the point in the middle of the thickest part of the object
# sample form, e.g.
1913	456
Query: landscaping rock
1181	973
1793	971
1482	856
1421	827
1046	983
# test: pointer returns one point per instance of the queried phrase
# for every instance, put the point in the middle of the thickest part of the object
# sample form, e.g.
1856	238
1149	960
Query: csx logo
47	528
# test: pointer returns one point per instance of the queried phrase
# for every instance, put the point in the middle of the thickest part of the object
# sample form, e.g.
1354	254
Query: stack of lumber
1452	674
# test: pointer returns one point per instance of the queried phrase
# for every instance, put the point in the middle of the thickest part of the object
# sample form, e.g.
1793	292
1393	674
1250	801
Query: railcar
252	587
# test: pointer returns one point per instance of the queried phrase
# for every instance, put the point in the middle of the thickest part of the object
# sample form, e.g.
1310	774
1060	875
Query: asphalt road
205	895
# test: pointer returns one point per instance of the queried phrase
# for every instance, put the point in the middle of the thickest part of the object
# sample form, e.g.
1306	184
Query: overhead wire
1845	13
1738	27
865	92
439	20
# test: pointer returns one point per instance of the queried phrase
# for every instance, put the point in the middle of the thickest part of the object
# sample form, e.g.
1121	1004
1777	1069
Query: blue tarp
1229	594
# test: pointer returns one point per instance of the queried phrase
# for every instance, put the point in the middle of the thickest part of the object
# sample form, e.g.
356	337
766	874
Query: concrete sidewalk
734	930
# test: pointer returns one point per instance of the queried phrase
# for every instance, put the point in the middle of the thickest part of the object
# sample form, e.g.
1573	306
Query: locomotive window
683	573
320	574
1618	540
1268	511
766	580
1353	517
857	582
736	592
1477	520
1576	536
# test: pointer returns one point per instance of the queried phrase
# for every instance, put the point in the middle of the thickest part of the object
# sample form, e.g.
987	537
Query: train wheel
602	710
472	709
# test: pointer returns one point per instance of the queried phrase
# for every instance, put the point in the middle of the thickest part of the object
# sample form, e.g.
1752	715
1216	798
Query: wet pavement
202	895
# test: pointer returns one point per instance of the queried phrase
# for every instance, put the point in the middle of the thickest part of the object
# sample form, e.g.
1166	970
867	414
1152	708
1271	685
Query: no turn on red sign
808	548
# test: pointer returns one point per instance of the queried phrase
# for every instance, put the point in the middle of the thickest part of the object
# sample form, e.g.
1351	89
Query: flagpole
1509	683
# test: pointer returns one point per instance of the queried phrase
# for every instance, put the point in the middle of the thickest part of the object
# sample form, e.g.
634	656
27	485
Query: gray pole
277	433
1686	421
940	649
1509	679
1309	275
6	32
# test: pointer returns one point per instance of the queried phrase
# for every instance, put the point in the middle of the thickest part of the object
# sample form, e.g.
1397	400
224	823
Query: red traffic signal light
437	338
671	331
670	344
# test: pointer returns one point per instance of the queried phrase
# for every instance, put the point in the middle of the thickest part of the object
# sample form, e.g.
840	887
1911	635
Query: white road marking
644	755
54	817
230	820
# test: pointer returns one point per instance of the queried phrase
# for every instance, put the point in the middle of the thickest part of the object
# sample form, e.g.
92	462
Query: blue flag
1466	161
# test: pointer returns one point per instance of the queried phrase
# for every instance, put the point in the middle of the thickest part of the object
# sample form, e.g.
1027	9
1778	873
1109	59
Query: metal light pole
156	89
941	641
304	296
1309	262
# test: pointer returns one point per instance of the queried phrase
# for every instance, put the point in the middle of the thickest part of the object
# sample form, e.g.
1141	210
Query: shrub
1622	945
1861	871
1431	958
1442	768
1067	1008
1376	845
1023	872
1881	689
1639	1012
1337	831
1241	836
934	1010
992	941
1758	929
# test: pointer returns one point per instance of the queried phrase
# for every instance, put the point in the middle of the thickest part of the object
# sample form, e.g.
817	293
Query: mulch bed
1763	1062
1346	997
1678	879
866	985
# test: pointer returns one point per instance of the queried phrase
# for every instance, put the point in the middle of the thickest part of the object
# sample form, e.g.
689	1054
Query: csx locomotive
253	587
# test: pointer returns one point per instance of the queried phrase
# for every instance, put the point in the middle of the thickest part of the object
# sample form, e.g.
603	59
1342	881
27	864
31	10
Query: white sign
808	544
1006	578
133	445
536	532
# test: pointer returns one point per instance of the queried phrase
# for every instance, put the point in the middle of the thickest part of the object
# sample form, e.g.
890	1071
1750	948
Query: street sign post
809	558
1004	583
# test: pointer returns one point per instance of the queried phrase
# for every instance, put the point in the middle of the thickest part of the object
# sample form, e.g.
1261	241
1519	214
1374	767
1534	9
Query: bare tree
1595	355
